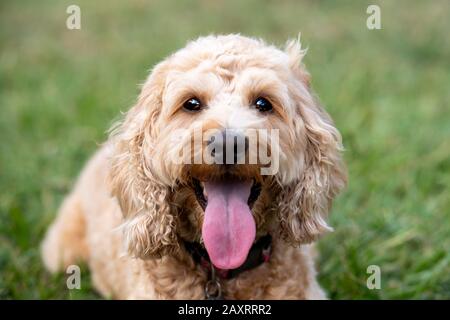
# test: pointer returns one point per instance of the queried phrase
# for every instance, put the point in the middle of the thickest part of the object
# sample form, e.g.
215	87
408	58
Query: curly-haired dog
153	228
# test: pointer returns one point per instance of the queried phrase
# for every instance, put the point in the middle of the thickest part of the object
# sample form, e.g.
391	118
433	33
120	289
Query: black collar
258	254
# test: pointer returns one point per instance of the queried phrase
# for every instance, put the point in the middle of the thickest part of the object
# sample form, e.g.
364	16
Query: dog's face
225	144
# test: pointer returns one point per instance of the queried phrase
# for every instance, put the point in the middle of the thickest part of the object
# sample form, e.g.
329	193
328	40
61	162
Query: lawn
388	91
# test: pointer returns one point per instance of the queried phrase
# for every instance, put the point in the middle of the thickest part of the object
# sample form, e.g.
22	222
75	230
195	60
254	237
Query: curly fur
133	239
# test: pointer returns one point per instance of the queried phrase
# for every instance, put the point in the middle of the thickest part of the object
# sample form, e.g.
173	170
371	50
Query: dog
152	226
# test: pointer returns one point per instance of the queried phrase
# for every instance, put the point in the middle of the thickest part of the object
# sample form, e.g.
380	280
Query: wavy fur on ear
149	227
304	202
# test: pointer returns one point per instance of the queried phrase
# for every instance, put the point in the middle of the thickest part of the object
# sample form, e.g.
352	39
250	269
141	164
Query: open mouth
229	228
201	196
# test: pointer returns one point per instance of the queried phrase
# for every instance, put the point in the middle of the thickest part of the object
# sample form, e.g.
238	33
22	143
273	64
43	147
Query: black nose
229	147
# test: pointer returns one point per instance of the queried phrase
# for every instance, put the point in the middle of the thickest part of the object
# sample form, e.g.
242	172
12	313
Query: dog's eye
263	104
192	104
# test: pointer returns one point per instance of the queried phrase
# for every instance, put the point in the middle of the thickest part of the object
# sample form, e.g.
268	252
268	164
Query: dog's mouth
228	227
202	197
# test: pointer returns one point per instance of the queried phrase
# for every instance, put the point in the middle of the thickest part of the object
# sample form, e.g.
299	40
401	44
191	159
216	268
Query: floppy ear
149	226
304	202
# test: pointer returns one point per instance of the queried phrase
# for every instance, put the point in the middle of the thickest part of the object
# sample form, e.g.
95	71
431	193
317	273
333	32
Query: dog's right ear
149	226
305	201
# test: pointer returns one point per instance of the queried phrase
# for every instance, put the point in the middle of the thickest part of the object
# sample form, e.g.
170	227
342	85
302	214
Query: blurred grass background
388	91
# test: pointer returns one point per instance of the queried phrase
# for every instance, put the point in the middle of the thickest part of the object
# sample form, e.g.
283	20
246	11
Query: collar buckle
213	288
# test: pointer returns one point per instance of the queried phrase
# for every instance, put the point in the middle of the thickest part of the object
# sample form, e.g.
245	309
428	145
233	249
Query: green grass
388	91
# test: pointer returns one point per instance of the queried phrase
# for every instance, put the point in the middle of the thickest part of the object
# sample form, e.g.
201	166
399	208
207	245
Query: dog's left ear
149	225
305	201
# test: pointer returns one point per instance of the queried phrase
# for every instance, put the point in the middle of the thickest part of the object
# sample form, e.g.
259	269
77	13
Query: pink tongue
228	228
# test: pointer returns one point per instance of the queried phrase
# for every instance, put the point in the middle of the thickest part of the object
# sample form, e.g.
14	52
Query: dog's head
225	144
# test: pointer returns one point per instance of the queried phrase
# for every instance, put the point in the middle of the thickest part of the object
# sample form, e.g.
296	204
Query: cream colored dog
153	228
